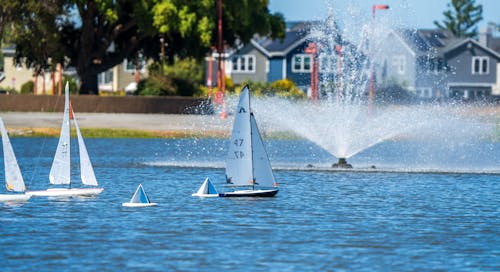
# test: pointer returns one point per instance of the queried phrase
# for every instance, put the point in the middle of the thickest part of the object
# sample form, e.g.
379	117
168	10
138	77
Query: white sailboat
60	173
139	199
247	164
13	179
206	189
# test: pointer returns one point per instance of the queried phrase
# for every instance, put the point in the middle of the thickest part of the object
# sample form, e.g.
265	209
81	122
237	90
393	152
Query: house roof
428	41
277	47
476	43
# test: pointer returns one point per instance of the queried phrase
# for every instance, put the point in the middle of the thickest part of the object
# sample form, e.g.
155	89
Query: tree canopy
95	35
461	18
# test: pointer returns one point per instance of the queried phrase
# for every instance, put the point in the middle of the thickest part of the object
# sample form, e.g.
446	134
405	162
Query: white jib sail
239	170
13	178
60	171
262	171
86	169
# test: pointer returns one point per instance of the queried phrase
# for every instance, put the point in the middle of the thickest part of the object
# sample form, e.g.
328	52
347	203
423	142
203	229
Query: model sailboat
60	172
247	164
139	199
13	179
206	189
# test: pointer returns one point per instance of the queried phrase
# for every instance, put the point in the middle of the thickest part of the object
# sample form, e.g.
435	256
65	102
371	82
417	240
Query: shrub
73	87
28	87
286	88
183	78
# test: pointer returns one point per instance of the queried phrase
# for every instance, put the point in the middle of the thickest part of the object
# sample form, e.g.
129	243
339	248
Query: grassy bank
117	133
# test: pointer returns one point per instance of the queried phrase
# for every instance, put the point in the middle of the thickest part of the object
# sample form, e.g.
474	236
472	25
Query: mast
251	143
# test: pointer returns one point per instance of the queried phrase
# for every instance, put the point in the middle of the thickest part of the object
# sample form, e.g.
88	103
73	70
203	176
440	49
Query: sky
402	13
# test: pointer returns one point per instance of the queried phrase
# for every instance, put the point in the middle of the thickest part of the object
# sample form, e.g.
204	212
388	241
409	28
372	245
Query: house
434	64
473	71
14	76
267	60
122	77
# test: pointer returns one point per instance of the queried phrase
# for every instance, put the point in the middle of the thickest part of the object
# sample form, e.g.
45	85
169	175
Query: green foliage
281	88
107	31
28	87
181	78
286	88
73	87
462	17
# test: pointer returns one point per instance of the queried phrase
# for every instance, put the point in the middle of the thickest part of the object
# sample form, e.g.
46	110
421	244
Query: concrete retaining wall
106	104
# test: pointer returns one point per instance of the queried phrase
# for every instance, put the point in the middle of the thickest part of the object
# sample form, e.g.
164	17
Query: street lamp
372	83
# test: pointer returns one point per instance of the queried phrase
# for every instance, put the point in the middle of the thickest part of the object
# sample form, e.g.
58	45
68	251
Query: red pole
312	50
59	88
137	76
209	77
220	91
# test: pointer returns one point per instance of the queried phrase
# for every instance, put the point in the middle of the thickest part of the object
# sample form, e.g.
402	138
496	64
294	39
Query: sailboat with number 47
247	166
60	173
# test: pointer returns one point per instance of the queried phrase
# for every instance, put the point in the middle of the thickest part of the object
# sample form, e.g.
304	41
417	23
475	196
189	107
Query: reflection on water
319	220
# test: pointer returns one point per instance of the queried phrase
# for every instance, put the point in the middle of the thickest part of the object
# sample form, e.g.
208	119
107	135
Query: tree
462	17
107	31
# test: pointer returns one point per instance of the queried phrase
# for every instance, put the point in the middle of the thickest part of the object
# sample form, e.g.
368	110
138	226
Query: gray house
434	64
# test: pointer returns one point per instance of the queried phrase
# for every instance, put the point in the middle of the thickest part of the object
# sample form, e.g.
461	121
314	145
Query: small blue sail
140	196
206	189
211	188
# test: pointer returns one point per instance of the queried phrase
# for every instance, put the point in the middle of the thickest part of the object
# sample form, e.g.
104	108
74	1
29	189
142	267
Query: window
480	65
301	63
131	62
244	64
106	77
399	64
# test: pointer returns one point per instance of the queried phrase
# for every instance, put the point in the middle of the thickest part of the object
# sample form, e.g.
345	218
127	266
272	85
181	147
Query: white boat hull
250	193
67	192
129	204
14	197
206	195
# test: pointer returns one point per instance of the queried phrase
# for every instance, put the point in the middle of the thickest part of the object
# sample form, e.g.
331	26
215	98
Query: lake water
319	221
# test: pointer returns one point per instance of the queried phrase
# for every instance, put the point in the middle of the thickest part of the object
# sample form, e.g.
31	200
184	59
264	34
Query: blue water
319	221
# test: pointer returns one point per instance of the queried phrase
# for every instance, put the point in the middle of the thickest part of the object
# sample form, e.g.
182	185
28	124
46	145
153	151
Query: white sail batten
60	171
13	178
263	173
86	169
239	161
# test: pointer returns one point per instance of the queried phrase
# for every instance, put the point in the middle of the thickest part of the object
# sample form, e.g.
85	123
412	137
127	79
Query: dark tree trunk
89	84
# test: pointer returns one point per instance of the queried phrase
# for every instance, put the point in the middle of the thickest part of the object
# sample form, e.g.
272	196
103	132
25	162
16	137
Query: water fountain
345	122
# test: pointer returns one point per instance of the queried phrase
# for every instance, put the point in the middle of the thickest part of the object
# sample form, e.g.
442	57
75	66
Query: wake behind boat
60	172
13	179
247	163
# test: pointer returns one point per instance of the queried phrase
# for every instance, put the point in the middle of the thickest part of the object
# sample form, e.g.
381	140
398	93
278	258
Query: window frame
302	68
483	62
242	64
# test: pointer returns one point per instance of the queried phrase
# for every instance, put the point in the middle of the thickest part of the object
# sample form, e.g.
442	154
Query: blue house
267	60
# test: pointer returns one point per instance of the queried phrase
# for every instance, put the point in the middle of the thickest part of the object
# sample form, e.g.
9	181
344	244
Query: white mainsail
86	169
262	171
239	166
60	171
13	178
